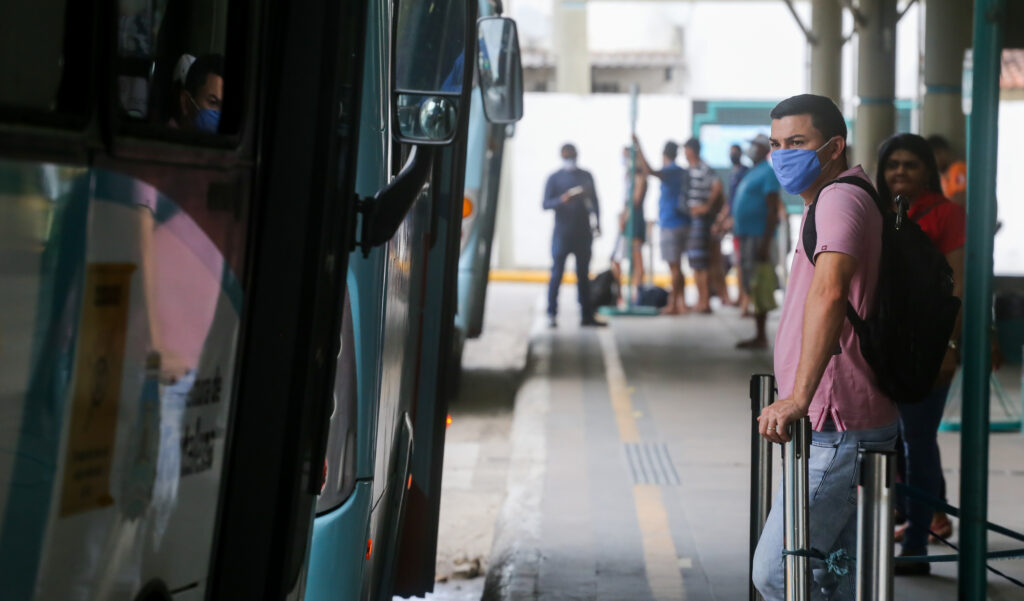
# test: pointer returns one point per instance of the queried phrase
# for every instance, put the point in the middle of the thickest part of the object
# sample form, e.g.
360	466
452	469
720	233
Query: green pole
982	147
634	93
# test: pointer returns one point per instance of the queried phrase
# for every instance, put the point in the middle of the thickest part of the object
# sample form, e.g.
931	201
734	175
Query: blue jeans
560	251
919	425
832	485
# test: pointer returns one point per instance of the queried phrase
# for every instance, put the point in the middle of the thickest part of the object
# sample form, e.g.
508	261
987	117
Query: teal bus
182	183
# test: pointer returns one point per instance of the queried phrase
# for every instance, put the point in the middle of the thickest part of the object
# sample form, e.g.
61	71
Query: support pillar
982	153
572	66
876	80
947	33
827	49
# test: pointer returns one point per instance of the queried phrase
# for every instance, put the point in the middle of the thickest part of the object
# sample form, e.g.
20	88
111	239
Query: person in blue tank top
755	210
673	219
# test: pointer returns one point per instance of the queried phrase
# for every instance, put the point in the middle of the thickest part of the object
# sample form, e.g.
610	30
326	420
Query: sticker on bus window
96	392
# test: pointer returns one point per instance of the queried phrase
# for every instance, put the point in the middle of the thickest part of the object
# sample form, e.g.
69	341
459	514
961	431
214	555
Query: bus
181	184
375	529
486	142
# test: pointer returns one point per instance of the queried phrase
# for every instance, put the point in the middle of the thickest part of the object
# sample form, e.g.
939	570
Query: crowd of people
820	365
695	212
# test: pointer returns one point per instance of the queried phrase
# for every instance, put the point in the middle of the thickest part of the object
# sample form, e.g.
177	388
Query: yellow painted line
661	560
663	575
541	276
622	405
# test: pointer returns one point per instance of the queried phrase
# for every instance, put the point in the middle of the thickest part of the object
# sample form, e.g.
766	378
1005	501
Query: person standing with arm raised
673	219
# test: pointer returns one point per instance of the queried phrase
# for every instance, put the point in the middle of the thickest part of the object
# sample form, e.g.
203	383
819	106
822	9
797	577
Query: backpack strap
810	234
926	211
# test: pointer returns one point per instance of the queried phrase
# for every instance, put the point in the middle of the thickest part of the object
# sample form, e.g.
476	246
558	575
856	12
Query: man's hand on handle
777	417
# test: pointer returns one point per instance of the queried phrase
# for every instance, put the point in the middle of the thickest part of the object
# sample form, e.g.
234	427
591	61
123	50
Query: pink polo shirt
847	222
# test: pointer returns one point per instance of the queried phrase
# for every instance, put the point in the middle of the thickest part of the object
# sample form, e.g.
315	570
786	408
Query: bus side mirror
500	69
429	76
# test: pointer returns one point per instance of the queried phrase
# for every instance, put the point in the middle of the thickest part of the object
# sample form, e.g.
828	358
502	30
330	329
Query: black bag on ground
604	290
905	339
651	296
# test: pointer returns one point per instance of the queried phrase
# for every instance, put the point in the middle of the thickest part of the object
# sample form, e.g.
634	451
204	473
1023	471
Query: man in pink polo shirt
818	364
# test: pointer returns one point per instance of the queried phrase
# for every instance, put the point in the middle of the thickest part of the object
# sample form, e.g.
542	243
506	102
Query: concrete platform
629	468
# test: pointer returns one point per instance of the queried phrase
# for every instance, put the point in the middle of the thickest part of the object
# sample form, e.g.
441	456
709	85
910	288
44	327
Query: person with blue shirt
755	210
673	219
571	194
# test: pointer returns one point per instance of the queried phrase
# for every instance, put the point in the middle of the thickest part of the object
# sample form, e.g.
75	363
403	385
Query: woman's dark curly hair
916	145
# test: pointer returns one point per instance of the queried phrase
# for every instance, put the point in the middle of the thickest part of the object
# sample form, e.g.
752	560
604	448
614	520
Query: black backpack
604	290
905	339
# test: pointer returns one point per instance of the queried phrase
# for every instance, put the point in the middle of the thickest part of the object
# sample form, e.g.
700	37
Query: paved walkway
629	469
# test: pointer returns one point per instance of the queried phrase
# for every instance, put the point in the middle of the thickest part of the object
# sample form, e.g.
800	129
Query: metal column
827	49
572	67
947	33
795	455
982	150
762	394
876	80
875	525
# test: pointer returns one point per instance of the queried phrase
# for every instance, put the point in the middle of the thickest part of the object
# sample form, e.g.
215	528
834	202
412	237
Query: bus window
431	42
52	77
170	65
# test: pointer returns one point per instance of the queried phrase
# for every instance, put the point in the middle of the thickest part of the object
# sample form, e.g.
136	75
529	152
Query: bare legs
700	276
676	297
761	339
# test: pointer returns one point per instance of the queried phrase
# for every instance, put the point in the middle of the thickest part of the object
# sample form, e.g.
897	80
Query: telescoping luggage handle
762	394
794	488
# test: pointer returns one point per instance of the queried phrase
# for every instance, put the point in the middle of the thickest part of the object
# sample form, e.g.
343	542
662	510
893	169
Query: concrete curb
514	561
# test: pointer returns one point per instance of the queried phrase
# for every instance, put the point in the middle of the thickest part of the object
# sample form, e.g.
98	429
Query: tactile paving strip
650	463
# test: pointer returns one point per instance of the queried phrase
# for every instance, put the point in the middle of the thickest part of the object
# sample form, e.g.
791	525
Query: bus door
499	71
175	198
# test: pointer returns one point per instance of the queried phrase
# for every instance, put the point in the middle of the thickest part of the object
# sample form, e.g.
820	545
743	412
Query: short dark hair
568	148
693	144
915	145
825	115
201	69
671	150
938	142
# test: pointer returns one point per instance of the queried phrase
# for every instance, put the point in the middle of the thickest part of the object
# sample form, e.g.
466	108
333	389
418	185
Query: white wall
599	127
1009	242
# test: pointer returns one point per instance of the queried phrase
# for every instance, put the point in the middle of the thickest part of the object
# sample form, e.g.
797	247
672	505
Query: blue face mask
797	168
207	120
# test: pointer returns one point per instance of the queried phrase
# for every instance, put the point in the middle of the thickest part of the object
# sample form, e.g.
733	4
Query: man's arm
642	164
824	314
713	197
592	189
552	200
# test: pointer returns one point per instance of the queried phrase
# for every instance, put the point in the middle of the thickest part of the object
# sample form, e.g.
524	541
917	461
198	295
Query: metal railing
875	525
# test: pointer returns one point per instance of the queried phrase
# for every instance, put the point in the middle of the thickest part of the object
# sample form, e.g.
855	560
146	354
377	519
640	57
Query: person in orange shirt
952	171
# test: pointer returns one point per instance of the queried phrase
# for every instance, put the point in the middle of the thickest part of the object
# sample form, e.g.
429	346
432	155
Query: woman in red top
907	167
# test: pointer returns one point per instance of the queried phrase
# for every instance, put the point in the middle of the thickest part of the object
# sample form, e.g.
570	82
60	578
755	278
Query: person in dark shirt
570	193
724	221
